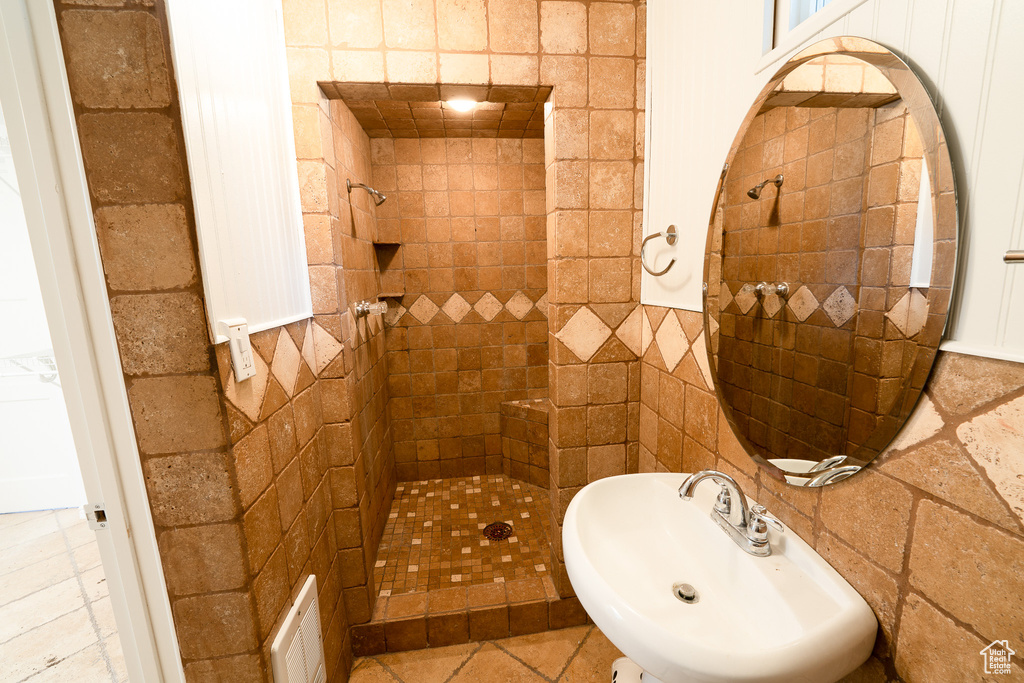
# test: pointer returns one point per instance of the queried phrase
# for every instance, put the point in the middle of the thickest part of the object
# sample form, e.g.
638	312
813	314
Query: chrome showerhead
378	197
755	192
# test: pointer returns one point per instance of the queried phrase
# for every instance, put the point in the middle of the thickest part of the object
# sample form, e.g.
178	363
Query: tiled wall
930	534
524	440
467	218
592	54
806	233
235	476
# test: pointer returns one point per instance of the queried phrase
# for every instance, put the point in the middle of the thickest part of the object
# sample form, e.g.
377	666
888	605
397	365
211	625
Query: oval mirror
830	261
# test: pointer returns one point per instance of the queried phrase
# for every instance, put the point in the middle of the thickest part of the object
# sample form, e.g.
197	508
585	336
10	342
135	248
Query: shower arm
378	197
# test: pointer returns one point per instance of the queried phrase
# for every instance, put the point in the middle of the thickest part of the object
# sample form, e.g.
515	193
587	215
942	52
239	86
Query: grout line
88	605
459	668
575	654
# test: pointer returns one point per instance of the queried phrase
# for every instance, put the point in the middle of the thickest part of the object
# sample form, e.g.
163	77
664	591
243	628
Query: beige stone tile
942	469
57	640
369	670
593	661
145	247
248	394
103	612
119	59
21	582
214	625
434	664
39	608
584	333
118	172
174	414
463	68
513	25
515	70
161	333
461	25
961	383
203	559
563	27
31	529
996	442
411	67
970	570
612	28
357	66
305	22
671	341
286	362
85	665
547	652
872	513
491	663
409	24
931	647
355	24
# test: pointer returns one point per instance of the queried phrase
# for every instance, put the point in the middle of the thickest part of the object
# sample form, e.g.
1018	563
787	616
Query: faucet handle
760	519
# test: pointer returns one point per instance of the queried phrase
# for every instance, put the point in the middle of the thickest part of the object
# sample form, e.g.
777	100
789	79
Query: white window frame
777	43
58	212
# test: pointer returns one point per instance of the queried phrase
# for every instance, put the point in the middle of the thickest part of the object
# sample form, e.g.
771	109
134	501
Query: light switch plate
242	363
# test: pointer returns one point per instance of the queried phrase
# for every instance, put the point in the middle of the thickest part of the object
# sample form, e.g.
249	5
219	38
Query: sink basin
786	618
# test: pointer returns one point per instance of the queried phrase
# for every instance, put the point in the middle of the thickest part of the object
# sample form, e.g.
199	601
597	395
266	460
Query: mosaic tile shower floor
434	534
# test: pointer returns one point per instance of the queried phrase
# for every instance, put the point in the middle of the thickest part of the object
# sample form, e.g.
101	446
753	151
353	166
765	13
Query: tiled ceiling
423	111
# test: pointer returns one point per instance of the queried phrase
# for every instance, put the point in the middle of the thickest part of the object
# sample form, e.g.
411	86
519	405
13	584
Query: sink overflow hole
685	593
497	531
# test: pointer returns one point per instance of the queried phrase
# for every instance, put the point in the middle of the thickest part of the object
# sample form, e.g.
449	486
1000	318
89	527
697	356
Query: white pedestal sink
786	618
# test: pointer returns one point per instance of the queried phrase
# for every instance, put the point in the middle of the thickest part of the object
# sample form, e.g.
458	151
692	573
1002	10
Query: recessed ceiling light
461	105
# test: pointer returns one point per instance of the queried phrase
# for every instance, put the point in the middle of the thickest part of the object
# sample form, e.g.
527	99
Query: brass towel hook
670	236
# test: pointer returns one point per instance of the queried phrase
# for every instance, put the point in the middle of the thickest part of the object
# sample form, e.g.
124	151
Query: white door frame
44	141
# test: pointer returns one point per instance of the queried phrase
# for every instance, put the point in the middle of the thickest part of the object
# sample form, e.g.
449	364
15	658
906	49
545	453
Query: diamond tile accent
248	394
746	298
542	304
646	334
584	333
630	330
286	362
424	309
395	314
772	304
671	341
724	296
803	303
700	354
519	305
488	307
325	346
910	313
308	351
840	306
456	307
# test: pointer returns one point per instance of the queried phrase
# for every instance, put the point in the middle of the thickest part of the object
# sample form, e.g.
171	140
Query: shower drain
497	531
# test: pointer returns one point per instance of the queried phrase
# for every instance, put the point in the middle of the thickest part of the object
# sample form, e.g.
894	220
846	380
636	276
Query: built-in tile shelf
391	295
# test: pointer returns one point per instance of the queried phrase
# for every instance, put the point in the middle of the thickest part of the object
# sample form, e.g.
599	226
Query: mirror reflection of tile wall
812	376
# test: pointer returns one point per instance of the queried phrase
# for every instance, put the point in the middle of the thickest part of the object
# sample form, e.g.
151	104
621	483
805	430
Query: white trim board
40	119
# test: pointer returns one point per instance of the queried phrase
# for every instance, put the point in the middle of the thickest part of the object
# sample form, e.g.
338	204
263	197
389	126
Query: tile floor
56	621
434	534
573	655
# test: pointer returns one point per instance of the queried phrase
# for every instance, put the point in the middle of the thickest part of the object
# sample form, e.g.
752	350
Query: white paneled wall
707	58
229	58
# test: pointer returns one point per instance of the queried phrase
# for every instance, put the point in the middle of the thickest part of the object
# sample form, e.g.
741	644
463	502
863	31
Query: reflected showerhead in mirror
378	197
755	192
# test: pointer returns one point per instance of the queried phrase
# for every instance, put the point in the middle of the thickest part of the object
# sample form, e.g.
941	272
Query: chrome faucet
748	527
